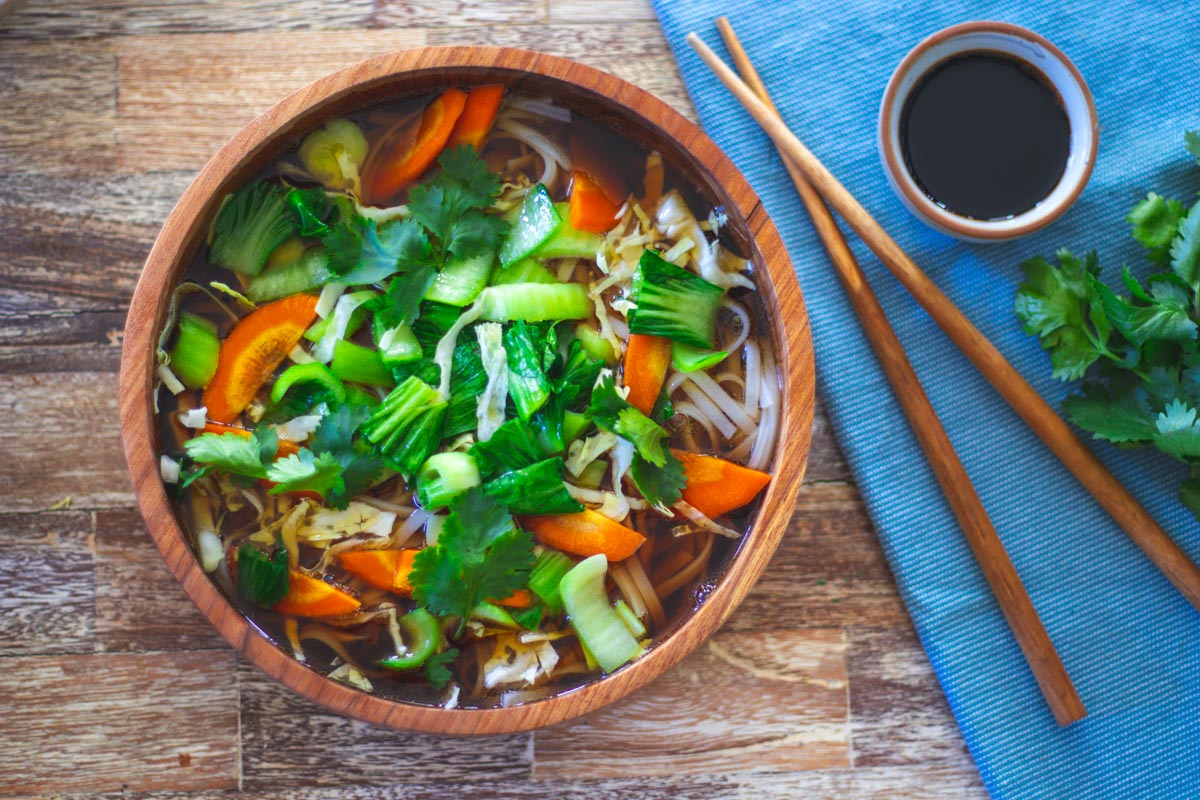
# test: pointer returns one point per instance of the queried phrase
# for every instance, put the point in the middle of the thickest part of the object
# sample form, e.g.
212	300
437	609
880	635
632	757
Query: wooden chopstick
1037	414
997	567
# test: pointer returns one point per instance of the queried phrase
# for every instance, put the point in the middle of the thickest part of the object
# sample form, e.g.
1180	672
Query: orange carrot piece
286	448
252	350
393	171
646	361
478	116
400	584
589	208
586	533
376	567
312	597
521	598
716	486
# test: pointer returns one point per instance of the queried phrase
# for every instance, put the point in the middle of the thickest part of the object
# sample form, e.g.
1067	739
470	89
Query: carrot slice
390	172
312	597
646	360
521	598
586	533
400	584
589	208
376	567
478	116
716	486
286	448
252	350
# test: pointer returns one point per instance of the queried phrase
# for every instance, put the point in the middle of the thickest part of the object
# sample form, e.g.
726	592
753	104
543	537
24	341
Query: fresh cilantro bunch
480	554
1137	354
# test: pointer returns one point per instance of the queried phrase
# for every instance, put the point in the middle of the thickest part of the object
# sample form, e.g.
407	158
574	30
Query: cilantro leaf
1120	420
1155	222
1192	138
1185	250
309	208
336	437
1055	304
1178	432
247	456
400	303
261	578
463	167
306	472
1165	318
480	553
437	670
360	252
614	414
661	486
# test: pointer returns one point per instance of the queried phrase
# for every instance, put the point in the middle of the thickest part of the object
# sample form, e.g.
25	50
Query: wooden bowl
605	98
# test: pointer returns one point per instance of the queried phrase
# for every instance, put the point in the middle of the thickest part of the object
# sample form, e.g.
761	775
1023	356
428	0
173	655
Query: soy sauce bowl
1033	52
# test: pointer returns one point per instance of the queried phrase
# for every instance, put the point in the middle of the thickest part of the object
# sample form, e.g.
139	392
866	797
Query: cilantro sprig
1137	352
480	553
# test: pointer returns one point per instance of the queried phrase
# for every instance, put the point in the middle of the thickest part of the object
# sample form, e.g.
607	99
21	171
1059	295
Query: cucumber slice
196	350
527	270
598	626
536	222
535	302
569	242
460	282
307	273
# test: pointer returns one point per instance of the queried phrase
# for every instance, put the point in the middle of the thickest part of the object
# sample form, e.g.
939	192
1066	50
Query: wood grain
575	11
46	457
175	113
799	674
160	712
158	615
47	572
645	119
457	13
65	94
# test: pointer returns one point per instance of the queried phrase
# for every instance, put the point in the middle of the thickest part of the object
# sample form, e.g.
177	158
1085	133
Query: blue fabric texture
1129	640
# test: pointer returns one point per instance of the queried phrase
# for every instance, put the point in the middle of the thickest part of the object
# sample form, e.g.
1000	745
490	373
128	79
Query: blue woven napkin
1129	640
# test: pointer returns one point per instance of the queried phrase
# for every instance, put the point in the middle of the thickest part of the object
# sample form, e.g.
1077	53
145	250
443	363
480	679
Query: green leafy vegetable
261	578
528	385
1137	354
306	472
662	486
336	437
247	457
437	668
309	208
673	302
614	414
535	489
334	154
252	222
480	553
406	427
513	445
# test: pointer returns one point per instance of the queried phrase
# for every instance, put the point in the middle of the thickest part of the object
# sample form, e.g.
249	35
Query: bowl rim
906	186
779	291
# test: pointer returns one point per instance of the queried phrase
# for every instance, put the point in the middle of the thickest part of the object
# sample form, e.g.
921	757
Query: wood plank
139	605
917	782
633	51
774	698
183	96
828	570
60	108
61	438
898	712
66	262
61	342
437	13
96	723
141	200
48	575
58	19
601	11
289	741
825	459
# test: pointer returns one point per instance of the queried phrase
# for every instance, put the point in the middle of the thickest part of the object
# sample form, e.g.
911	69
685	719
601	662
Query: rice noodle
708	407
552	155
690	411
566	269
402	512
742	451
606	500
694	515
752	385
653	602
768	424
743	316
730	407
541	107
628	589
416	521
688	573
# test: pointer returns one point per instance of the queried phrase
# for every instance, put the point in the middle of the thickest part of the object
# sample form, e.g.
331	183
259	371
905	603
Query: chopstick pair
998	569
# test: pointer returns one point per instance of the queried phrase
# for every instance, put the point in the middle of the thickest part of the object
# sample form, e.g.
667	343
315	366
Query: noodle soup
466	400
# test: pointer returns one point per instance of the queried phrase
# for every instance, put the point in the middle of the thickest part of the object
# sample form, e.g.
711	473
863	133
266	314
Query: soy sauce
985	136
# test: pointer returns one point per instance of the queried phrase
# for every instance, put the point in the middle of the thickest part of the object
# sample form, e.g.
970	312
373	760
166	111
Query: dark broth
985	136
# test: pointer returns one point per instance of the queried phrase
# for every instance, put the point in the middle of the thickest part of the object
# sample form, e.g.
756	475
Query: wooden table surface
110	681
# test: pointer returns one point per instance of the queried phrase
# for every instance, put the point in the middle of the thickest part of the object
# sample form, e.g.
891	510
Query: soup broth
467	400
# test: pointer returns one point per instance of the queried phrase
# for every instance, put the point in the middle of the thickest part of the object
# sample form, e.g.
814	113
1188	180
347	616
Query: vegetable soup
466	400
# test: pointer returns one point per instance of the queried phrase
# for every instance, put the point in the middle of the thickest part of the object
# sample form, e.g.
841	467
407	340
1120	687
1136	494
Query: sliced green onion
196	350
443	477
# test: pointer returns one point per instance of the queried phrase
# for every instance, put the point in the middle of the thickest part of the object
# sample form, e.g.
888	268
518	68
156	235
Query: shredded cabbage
490	411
